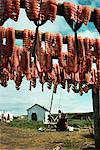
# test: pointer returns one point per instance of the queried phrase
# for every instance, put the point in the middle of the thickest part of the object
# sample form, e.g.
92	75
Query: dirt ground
12	138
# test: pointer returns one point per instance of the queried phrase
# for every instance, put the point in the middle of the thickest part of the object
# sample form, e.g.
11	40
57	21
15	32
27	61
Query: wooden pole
51	101
96	108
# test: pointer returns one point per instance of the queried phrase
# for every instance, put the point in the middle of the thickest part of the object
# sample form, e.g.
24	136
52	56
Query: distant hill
78	115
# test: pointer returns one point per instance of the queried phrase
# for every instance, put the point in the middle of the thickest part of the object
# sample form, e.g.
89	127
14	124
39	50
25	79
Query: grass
12	138
80	123
23	134
24	123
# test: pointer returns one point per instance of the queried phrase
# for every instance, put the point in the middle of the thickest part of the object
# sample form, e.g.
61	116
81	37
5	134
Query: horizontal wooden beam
19	35
60	10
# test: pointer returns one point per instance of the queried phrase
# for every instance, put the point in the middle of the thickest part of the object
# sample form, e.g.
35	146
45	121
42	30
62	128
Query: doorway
34	116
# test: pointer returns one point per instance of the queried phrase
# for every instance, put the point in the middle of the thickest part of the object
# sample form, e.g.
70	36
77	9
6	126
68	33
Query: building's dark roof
39	106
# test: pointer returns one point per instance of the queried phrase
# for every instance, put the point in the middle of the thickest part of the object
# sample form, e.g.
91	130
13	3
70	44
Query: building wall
40	112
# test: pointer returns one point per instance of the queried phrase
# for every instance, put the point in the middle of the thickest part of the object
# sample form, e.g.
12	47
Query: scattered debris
41	129
58	146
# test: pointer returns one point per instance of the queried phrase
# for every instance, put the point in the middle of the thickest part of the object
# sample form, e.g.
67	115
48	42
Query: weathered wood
19	35
51	101
96	108
60	9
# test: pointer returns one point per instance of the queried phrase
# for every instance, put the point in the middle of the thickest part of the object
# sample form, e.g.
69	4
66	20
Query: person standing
59	120
49	121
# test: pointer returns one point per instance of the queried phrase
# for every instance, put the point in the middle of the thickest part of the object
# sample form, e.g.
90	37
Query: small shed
37	113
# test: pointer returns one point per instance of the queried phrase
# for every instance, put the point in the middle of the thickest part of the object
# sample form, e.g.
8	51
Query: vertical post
96	108
51	102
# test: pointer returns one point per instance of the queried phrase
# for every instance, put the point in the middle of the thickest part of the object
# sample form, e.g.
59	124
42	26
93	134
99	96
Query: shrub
26	124
79	123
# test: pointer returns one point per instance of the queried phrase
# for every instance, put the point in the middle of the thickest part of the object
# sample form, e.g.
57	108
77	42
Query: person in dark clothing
49	121
61	121
58	118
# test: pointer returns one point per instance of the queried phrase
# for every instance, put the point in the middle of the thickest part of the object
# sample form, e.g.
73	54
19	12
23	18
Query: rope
76	45
33	51
59	100
51	101
36	34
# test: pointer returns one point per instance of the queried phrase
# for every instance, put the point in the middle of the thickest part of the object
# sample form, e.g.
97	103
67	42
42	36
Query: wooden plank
51	123
96	108
19	35
60	9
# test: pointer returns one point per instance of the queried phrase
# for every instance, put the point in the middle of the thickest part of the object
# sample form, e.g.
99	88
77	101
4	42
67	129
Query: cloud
73	1
22	23
11	99
92	3
89	34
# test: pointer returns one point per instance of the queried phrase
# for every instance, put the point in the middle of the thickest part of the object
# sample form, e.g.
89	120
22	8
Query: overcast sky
18	101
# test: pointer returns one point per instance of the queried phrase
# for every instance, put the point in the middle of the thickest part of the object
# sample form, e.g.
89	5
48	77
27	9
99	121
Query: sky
17	102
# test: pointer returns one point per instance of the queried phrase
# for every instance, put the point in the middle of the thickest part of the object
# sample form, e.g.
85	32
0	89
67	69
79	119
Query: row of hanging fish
35	10
74	14
73	68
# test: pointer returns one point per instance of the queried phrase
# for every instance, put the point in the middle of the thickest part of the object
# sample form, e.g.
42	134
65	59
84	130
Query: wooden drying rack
95	96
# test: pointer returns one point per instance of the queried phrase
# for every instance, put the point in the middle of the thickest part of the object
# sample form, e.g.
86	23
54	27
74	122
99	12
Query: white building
6	116
37	113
